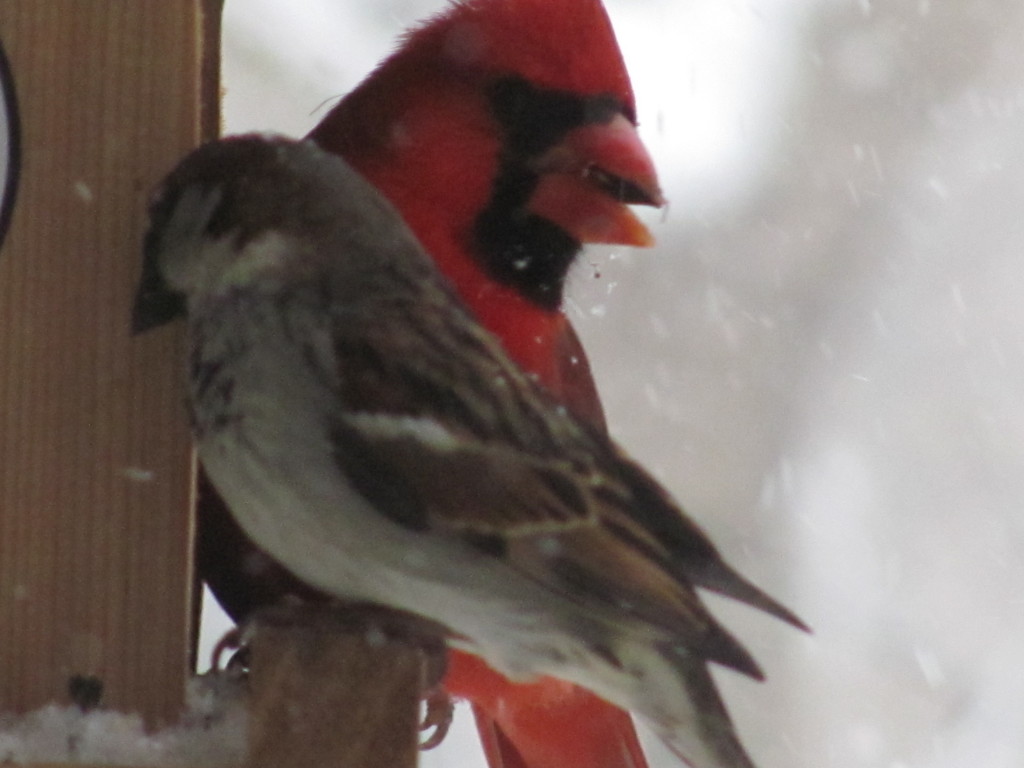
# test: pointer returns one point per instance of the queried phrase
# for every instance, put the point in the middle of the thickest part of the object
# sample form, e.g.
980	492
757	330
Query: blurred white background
823	357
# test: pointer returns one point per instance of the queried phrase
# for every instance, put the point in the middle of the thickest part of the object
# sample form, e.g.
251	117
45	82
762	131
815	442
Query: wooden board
95	461
323	696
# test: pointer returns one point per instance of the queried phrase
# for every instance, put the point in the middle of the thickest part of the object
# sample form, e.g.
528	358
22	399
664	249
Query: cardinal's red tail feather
544	724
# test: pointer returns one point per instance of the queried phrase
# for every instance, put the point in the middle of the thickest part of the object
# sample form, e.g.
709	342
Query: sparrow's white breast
265	442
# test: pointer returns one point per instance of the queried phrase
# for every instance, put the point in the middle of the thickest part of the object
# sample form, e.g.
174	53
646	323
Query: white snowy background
823	357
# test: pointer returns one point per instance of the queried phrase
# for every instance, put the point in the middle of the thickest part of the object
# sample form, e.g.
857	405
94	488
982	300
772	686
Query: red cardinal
504	132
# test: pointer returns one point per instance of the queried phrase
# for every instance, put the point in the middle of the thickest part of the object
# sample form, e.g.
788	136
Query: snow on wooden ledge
211	733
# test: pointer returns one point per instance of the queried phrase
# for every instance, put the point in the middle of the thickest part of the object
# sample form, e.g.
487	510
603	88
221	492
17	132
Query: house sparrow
373	438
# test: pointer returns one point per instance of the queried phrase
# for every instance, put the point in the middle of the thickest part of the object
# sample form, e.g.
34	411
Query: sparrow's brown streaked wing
538	516
511	475
452	385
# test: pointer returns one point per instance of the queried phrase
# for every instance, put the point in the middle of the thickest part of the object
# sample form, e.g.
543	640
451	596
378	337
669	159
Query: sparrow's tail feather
676	695
544	724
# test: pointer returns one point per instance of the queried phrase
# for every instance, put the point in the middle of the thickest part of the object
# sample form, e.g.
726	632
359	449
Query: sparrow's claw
233	643
439	711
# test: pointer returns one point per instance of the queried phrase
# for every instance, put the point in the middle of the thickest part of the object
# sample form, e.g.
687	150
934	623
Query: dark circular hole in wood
10	144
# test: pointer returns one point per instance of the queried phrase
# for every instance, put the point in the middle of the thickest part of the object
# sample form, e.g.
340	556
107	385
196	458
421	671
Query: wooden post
95	460
323	695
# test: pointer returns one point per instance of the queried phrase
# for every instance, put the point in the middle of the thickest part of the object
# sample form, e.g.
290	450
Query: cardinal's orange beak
589	180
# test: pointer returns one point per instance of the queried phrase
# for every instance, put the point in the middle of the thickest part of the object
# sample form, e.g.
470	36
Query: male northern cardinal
504	132
371	436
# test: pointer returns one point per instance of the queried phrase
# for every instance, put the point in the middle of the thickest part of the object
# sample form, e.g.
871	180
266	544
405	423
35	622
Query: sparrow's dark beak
155	302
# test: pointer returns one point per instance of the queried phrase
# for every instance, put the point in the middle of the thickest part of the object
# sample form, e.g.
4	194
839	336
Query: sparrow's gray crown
234	210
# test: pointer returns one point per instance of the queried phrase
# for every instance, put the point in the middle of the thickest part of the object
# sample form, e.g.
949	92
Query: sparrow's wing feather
542	520
692	554
511	478
426	477
453	378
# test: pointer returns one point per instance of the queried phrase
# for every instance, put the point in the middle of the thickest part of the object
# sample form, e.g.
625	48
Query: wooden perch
325	695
